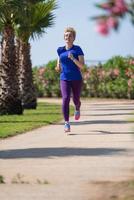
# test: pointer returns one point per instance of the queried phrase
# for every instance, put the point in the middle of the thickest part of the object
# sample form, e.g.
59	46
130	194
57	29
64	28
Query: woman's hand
70	55
57	69
79	62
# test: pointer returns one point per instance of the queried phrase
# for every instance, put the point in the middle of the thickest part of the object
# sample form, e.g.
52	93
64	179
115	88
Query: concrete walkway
47	164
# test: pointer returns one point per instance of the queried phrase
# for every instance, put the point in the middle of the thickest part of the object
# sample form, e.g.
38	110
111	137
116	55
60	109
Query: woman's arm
80	62
58	67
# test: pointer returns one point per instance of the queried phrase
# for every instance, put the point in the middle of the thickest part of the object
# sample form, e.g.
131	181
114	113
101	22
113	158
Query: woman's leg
65	91
76	89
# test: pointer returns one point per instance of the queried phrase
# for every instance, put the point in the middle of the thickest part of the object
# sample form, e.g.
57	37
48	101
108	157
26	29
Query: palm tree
36	18
10	102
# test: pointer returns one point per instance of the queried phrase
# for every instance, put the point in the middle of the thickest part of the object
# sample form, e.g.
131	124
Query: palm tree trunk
10	102
17	62
28	94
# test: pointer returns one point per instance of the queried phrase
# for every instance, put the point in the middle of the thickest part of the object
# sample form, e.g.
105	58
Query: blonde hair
70	29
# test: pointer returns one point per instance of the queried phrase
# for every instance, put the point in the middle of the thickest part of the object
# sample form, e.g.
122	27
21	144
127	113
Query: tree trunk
17	62
10	102
28	94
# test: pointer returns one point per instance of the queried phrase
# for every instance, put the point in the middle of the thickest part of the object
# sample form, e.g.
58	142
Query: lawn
45	114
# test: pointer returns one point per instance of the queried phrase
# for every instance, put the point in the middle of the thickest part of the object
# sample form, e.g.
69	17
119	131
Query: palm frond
36	18
8	10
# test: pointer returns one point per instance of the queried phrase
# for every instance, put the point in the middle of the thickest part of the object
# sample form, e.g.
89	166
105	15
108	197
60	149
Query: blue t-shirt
69	70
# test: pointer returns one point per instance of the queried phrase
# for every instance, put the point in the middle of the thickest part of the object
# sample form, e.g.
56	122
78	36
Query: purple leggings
66	87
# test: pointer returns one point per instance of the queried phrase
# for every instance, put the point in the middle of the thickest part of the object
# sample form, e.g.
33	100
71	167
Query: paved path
49	165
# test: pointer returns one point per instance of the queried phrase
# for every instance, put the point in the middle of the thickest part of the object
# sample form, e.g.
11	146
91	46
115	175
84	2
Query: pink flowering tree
114	11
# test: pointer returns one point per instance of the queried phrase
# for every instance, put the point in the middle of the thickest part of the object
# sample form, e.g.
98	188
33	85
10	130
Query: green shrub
46	80
2	179
114	79
52	79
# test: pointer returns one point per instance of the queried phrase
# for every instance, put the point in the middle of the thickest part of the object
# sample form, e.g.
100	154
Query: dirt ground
109	190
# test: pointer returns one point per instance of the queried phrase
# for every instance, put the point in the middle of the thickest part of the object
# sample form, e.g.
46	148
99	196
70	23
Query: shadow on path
114	132
79	123
112	104
109	114
111	109
59	152
101	132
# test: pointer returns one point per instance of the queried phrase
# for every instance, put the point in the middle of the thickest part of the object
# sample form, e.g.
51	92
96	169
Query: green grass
132	121
45	114
2	179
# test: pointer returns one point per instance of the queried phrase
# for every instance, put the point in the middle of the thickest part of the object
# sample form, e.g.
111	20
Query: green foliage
117	62
46	80
116	89
2	179
52	79
39	86
114	79
34	18
44	114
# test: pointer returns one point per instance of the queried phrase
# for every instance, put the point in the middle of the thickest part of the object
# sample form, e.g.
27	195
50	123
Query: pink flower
128	72
119	8
87	75
102	27
41	71
115	9
101	74
129	83
131	62
116	72
121	4
112	22
106	6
